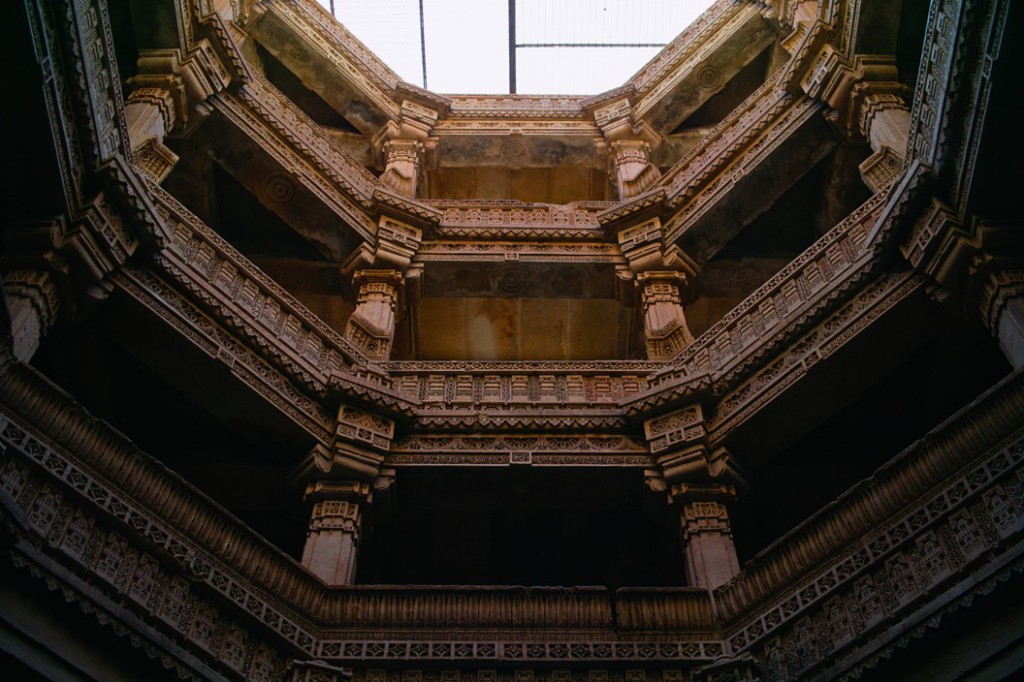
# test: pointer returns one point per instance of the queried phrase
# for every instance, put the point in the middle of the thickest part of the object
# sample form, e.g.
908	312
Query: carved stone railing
511	219
167	552
481	384
308	154
204	332
877	297
516	106
940	523
675	609
767	317
399	607
523	252
514	450
713	152
247	299
705	175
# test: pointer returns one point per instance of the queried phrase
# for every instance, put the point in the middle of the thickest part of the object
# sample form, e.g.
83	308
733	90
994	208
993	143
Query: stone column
884	121
332	540
634	173
33	306
372	324
403	160
708	548
150	116
664	320
1003	312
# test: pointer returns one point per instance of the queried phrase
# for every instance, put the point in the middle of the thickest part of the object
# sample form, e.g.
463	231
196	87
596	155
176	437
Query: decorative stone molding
33	306
403	161
634	173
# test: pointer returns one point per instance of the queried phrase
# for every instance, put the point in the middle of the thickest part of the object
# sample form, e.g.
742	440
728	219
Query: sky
467	40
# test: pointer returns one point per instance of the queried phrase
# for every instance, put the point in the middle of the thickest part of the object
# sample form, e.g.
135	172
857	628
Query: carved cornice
765	108
686	53
583	367
516	106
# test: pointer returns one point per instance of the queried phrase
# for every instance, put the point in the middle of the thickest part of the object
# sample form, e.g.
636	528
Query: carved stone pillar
1003	312
634	173
700	482
33	306
372	324
664	320
403	161
169	87
885	123
707	537
332	540
150	116
404	143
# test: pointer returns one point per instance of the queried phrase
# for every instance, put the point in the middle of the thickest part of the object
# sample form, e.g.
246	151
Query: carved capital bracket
150	114
645	249
355	451
661	275
378	302
403	146
33	306
1002	310
630	141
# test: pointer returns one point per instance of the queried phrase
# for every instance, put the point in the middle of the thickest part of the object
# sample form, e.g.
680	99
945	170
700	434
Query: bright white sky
467	40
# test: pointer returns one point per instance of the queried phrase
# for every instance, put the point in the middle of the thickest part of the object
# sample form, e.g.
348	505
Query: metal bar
591	44
423	47
512	46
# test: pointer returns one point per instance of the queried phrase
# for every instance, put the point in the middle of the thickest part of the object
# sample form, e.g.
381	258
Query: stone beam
294	168
329	61
699	64
742	169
